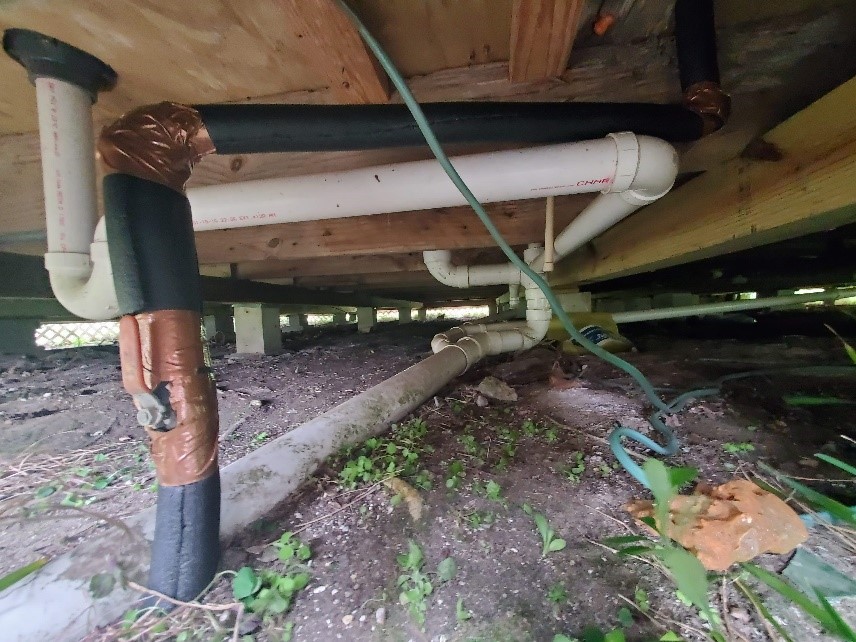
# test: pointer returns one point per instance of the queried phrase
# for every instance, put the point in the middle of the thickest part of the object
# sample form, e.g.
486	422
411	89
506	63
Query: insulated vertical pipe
695	41
157	281
68	164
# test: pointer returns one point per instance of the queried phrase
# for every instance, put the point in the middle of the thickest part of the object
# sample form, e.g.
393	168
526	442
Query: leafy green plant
267	592
481	519
686	571
455	475
397	455
737	448
415	585
470	445
260	437
691	579
550	543
530	428
573	472
270	592
640	598
557	593
490	490
461	613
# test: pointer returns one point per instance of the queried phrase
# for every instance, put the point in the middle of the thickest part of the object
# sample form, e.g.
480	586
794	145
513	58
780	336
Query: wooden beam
640	71
32	284
743	203
520	222
542	36
353	265
334	48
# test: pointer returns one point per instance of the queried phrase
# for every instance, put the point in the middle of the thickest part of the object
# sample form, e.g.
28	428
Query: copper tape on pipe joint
160	143
171	351
707	99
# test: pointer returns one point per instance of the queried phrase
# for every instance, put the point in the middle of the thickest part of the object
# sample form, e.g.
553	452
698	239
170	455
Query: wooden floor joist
520	222
336	51
743	203
642	70
542	36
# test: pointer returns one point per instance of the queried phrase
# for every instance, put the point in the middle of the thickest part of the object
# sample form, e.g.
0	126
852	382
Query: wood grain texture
643	71
520	222
385	264
341	59
743	203
542	36
202	51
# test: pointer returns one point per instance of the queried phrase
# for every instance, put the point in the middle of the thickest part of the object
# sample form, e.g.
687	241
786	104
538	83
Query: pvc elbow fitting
83	284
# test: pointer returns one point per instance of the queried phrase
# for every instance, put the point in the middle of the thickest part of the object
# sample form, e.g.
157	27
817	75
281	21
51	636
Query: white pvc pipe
721	307
68	164
649	166
252	487
77	259
83	283
570	168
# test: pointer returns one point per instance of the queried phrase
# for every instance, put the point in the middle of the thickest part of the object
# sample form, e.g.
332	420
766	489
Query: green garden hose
622	432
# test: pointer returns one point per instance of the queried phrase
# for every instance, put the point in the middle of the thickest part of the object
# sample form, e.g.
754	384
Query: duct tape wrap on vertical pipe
150	238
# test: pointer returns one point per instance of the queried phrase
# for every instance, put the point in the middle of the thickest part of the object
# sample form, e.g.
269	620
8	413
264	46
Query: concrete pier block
257	329
366	319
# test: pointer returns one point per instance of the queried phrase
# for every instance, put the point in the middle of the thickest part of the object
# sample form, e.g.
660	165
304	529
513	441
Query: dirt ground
72	456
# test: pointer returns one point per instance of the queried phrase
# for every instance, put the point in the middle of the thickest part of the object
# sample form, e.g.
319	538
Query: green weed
549	542
737	448
271	592
415	585
557	593
397	455
573	472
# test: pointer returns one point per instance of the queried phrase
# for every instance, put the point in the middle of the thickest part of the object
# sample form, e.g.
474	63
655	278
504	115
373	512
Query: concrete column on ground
674	300
257	329
422	314
219	324
575	301
492	308
405	315
366	319
17	336
340	318
296	323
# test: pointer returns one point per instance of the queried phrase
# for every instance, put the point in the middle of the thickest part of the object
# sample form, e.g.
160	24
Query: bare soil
66	427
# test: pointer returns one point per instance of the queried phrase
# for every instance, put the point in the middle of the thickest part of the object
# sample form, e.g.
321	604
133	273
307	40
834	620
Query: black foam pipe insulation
186	547
247	129
695	41
153	254
151	244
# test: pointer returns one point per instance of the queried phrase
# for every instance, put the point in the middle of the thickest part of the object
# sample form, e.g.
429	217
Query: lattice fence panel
74	335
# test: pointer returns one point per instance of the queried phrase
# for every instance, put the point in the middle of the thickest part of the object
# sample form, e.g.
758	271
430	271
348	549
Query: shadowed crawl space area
462	479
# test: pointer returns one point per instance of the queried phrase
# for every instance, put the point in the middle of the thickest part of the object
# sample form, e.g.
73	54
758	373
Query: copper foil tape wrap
159	142
172	352
707	99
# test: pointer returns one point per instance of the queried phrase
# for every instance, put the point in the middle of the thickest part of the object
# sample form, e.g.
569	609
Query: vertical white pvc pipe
68	164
